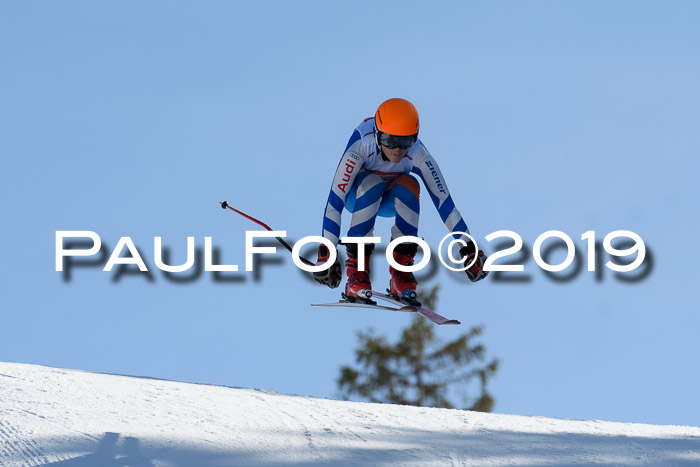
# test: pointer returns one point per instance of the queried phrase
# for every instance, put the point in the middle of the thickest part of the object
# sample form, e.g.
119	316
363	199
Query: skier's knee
409	183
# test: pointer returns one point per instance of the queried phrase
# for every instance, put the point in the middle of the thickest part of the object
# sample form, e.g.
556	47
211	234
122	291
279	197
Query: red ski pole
225	205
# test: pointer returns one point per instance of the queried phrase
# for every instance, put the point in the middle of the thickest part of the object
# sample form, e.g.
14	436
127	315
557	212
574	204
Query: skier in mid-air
374	179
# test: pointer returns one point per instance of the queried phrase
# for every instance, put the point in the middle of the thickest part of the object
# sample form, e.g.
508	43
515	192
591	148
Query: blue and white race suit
367	185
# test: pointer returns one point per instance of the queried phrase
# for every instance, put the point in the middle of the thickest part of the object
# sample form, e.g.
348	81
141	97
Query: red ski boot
403	284
358	288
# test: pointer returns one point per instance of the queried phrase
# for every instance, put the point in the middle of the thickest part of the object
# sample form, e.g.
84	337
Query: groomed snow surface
73	418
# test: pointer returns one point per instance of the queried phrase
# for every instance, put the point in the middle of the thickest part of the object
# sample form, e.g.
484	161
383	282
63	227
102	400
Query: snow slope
72	418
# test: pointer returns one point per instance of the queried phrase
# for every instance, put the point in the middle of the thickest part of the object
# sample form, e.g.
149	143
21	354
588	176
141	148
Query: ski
428	313
434	317
365	305
403	307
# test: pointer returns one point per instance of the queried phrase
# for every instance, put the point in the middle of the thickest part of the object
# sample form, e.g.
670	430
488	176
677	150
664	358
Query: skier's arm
428	170
350	164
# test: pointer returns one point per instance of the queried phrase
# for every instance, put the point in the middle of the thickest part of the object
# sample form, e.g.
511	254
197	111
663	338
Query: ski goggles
391	141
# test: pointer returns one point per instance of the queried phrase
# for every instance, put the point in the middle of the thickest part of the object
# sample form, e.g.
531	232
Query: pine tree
419	370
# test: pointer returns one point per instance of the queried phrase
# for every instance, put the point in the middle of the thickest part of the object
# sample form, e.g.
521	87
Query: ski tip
452	321
224	204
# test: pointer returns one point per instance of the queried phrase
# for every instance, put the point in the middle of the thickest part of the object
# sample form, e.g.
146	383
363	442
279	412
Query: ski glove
331	276
476	271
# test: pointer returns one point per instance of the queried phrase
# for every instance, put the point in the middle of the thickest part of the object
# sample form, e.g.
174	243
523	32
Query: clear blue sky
136	119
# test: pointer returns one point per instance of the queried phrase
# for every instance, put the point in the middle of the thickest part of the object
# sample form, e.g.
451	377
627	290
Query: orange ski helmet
397	117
